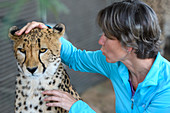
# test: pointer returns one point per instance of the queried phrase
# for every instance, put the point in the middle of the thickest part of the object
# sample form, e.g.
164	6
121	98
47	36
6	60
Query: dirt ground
101	97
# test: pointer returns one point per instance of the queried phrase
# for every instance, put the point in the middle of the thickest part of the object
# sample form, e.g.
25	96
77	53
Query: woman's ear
11	33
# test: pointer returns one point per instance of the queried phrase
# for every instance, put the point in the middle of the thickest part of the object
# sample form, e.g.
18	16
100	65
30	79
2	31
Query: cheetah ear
11	33
60	28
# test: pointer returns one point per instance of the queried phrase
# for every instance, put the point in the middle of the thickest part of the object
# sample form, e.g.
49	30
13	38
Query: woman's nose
101	40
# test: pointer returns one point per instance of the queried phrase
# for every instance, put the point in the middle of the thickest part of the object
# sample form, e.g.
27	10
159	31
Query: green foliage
54	6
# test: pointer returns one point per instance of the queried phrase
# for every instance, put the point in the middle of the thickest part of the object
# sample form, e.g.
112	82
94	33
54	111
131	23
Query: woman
129	57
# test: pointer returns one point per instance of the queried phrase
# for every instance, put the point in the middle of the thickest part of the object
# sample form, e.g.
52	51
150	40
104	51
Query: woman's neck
138	68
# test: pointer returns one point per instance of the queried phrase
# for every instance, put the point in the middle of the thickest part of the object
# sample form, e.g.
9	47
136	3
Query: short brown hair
134	24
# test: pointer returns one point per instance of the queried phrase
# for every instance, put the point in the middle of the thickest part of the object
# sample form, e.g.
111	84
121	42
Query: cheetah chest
29	97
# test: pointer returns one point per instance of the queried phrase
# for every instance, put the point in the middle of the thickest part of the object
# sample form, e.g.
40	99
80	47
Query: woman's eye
43	50
21	50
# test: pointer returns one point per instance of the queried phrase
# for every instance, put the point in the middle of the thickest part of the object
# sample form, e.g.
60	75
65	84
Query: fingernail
17	32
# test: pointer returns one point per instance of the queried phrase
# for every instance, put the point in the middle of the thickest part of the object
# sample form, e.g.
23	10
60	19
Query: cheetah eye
21	50
43	50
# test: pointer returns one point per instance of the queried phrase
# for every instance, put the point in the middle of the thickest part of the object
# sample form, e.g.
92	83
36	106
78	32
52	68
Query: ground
100	97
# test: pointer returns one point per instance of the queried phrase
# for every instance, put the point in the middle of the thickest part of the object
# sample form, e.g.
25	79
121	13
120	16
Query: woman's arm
84	61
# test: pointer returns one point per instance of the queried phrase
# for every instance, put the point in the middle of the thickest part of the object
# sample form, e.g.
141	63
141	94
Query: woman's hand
31	25
59	99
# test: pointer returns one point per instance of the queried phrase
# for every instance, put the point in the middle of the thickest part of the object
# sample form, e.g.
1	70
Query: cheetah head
38	52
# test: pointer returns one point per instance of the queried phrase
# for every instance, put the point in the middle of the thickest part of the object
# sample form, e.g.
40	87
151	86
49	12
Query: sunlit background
82	30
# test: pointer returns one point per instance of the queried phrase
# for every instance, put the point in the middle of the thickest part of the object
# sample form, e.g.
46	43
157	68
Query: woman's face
112	49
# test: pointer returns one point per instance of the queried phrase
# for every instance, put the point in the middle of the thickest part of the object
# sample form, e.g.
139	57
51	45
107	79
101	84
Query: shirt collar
152	77
124	75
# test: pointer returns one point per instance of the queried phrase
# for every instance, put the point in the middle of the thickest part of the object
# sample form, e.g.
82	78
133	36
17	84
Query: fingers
54	101
53	98
54	104
34	25
22	30
27	28
59	99
54	92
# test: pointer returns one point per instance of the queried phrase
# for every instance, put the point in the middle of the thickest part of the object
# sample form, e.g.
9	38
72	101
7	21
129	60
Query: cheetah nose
32	70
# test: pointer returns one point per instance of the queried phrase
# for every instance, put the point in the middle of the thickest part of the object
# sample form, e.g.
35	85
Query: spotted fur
40	69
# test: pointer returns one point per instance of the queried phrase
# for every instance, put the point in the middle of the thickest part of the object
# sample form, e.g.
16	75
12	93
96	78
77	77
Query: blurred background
82	30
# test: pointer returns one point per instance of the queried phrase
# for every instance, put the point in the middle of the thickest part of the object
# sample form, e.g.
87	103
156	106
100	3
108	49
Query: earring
129	50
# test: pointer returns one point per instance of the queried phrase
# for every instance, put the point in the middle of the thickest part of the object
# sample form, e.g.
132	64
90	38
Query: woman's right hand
31	25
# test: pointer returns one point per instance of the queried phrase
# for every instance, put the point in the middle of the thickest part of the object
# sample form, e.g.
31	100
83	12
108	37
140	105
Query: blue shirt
151	96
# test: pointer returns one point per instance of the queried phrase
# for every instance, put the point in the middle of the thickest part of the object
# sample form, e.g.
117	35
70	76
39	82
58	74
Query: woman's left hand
59	99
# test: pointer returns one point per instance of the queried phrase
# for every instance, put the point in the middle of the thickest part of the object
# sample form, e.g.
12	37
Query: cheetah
40	68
